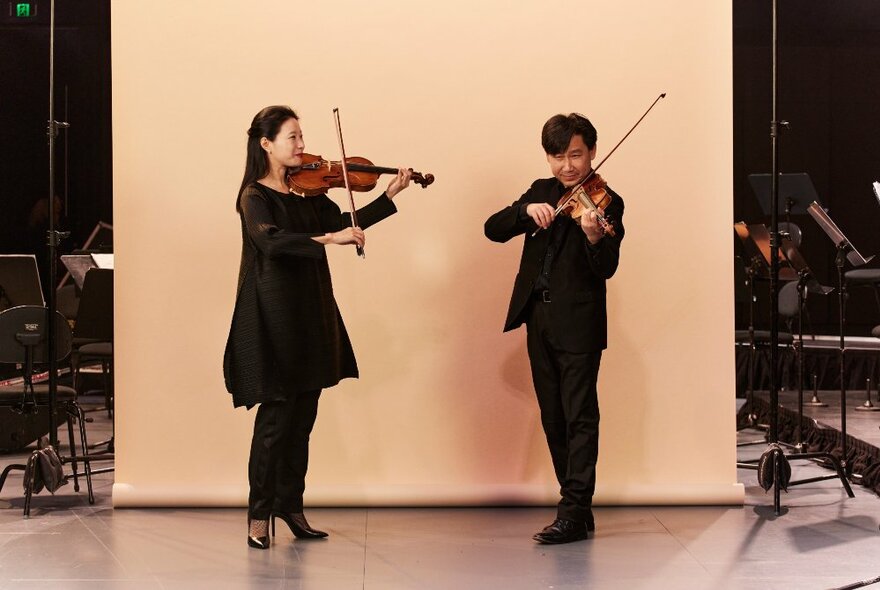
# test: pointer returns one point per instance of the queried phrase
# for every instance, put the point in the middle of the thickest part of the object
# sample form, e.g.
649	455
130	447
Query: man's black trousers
565	383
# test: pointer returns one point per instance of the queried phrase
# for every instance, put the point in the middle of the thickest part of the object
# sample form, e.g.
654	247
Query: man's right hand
541	213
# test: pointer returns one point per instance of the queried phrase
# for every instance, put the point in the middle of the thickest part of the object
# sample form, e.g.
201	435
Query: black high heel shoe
298	524
258	542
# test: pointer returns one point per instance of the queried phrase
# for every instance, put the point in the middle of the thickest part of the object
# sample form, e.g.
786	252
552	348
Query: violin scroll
423	180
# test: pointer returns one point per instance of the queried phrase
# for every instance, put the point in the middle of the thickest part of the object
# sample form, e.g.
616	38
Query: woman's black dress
287	335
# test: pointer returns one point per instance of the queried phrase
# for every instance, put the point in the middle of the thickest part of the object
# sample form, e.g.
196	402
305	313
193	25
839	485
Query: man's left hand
591	227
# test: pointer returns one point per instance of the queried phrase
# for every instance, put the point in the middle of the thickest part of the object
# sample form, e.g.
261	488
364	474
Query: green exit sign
25	9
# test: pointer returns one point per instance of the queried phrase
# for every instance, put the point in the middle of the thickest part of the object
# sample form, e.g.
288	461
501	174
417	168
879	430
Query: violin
316	175
587	196
590	193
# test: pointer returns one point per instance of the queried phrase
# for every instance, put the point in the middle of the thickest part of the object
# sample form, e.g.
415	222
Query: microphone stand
799	349
773	437
53	236
840	261
779	461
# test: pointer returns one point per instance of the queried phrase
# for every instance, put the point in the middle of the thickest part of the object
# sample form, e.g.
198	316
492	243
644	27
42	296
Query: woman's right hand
349	235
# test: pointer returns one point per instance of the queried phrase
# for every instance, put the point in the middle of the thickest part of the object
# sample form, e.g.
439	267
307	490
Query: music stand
100	240
806	283
79	264
95	322
19	281
756	240
95	318
796	192
799	265
757	266
845	251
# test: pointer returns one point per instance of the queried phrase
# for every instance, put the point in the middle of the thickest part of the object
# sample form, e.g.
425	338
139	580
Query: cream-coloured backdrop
444	412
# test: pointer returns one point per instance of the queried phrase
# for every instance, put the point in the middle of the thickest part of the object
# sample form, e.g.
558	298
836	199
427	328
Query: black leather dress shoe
564	531
298	524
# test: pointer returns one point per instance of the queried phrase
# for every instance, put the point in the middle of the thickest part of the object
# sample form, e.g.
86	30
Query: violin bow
351	207
593	172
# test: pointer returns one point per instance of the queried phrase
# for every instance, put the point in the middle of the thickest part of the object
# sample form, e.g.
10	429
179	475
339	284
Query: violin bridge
581	195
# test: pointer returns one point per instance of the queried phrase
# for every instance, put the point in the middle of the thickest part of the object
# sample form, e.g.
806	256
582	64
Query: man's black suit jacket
578	274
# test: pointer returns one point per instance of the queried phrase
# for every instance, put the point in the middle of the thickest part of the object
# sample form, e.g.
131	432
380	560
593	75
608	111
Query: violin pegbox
422	180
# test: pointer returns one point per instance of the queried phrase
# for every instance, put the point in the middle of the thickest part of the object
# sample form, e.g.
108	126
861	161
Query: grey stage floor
823	541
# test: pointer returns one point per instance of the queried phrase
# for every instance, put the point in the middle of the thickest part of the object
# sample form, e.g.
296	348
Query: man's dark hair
559	130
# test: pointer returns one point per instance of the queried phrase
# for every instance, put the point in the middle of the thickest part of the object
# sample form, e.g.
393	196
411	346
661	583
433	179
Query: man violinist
559	294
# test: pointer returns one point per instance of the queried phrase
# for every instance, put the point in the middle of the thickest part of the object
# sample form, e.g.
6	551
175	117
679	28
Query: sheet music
103	260
78	265
833	232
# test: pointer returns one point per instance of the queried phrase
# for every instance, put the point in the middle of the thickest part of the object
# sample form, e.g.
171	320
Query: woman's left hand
399	182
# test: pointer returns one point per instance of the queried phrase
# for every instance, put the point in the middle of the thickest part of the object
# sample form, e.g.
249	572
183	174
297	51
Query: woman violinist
287	341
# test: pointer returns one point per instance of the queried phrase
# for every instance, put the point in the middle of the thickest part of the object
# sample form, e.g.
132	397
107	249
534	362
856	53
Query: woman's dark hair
266	124
559	129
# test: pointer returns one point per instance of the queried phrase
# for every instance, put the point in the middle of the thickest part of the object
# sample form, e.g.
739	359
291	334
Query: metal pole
774	269
51	236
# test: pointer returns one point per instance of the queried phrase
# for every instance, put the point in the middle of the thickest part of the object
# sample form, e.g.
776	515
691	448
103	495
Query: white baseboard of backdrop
235	495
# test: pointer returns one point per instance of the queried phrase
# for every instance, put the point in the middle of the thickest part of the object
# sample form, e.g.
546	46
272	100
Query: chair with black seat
23	342
875	332
67	301
758	342
93	331
864	277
